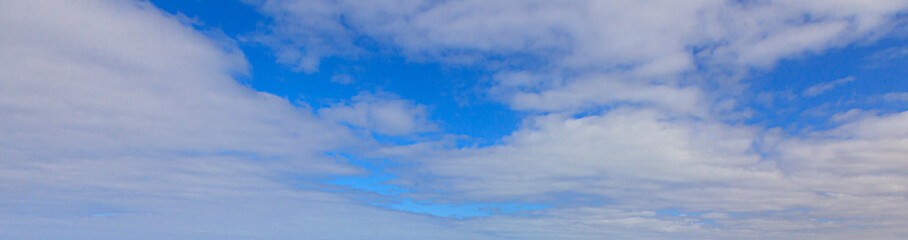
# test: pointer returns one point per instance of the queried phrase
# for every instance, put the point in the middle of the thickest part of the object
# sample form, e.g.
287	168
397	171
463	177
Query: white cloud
596	90
382	113
662	73
99	90
861	161
821	88
753	184
314	31
113	107
623	156
643	42
119	122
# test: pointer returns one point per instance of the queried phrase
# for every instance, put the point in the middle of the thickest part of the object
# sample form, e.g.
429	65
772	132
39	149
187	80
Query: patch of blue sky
455	109
458	109
448	90
396	140
441	210
779	100
373	179
376	181
710	222
461	211
806	93
234	18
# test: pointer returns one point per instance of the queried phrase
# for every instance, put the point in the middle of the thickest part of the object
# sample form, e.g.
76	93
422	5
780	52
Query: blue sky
412	119
449	90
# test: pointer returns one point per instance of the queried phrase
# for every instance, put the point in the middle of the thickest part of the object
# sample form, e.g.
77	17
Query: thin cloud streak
821	88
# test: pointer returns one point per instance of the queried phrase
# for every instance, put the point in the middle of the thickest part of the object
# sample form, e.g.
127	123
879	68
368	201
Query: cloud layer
654	84
120	121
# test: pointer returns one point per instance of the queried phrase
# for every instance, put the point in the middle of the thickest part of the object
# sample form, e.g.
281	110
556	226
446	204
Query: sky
453	119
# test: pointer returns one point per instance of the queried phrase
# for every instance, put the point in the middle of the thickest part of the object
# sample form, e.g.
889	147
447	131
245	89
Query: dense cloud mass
122	121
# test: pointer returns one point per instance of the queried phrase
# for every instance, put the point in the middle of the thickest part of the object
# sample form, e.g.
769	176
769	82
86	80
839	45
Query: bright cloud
383	113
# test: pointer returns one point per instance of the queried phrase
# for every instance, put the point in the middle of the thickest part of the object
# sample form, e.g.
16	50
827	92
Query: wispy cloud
821	88
896	96
886	57
342	78
634	49
659	142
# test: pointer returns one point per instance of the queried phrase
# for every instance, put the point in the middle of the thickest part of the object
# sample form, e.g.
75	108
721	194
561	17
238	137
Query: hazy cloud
382	113
342	78
896	96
